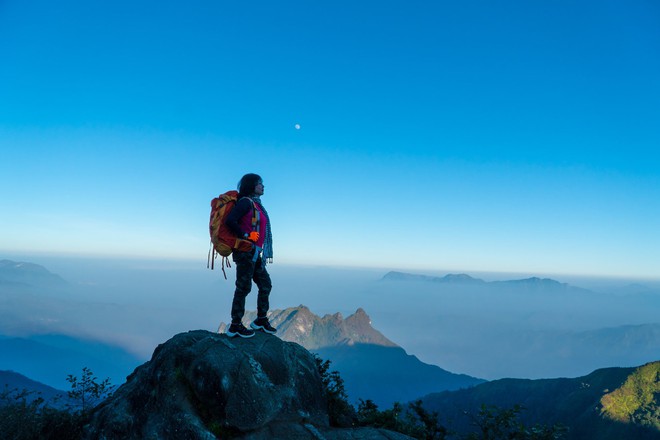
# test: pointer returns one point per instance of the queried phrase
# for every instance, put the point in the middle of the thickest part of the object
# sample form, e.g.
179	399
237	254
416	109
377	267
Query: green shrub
24	415
414	421
340	412
87	391
494	423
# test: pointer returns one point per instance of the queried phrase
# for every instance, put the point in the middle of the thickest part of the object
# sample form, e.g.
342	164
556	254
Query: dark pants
246	272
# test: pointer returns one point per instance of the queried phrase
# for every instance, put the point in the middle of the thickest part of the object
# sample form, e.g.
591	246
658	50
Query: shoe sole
231	335
262	328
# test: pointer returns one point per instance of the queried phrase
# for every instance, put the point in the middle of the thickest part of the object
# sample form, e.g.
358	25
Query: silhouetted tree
341	413
495	423
414	421
87	391
24	417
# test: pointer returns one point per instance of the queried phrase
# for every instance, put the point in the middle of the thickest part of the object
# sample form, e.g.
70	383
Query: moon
297	126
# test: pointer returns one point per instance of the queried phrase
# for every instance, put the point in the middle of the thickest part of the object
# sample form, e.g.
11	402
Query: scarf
268	241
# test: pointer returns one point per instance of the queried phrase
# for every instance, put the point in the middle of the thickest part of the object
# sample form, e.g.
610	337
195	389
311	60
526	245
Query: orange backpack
223	240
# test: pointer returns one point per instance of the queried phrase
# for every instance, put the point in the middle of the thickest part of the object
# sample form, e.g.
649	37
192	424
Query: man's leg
262	280
244	273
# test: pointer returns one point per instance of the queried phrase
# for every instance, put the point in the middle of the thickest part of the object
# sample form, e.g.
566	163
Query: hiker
249	220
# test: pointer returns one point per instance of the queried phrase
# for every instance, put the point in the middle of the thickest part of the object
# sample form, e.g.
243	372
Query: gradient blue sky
517	136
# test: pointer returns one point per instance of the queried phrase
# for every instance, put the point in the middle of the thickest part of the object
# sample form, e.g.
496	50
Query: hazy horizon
579	279
138	304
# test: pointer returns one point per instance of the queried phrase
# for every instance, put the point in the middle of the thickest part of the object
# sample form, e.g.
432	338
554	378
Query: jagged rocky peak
203	385
335	317
359	321
360	315
300	325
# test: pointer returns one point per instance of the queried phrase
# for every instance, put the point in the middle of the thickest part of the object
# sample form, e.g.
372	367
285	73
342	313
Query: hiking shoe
239	330
263	324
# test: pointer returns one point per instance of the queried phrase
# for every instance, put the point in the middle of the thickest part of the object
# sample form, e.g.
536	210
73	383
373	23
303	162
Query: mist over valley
471	324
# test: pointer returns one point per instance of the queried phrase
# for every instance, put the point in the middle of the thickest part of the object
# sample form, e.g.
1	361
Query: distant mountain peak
22	266
540	280
534	282
360	315
28	274
300	325
459	278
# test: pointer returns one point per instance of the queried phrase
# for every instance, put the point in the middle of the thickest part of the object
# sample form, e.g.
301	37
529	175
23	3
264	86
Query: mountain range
466	280
32	297
607	404
462	323
369	363
529	328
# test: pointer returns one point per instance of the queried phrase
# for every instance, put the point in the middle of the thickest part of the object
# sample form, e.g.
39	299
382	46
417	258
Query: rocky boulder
203	385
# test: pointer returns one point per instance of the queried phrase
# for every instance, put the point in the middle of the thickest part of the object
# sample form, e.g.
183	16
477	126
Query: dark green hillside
575	403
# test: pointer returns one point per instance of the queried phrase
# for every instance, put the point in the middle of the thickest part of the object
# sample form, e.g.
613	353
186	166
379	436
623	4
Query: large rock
203	385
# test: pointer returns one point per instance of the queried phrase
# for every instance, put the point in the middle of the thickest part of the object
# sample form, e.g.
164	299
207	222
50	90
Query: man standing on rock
249	220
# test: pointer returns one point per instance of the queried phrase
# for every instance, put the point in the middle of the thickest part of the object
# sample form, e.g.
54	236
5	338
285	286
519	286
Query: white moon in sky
297	126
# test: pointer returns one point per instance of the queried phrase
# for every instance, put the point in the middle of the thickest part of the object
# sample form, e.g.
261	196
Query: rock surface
203	385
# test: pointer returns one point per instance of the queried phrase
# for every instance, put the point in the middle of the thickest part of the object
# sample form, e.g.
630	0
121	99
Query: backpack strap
256	218
225	262
211	260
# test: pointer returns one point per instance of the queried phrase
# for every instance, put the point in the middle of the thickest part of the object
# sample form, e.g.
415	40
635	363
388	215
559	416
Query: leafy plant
340	411
495	423
24	416
429	420
87	391
414	421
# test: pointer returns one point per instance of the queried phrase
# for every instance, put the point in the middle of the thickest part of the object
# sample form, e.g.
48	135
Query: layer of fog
484	332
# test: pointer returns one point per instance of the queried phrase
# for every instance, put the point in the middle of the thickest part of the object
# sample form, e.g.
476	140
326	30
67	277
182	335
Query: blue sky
475	136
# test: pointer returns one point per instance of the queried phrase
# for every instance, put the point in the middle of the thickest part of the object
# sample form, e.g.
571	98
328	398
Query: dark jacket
242	207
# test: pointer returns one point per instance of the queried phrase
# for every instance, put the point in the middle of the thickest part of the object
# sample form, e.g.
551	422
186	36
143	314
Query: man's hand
254	236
